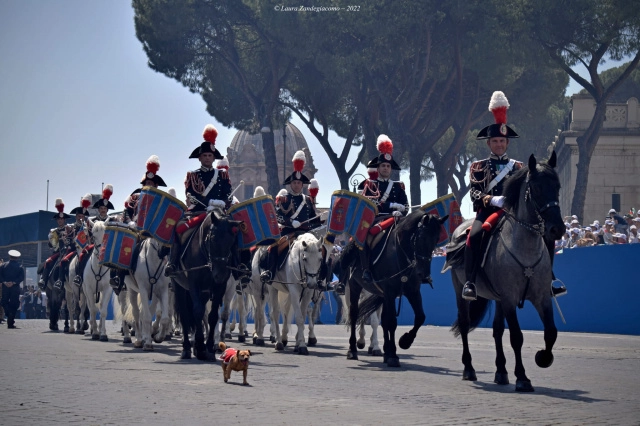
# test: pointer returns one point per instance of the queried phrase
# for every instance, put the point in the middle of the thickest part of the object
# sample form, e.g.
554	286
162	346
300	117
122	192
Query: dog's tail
222	346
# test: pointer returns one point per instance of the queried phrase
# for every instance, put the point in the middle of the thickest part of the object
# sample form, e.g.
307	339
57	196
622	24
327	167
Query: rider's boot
560	290
470	268
270	273
364	263
42	283
172	268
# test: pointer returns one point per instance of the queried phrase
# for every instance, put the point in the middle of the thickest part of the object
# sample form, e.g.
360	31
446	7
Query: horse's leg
361	337
183	307
198	315
274	313
165	319
544	358
242	316
218	295
226	309
286	309
145	315
315	313
414	297
135	310
464	324
502	376
374	347
123	298
523	384
88	286
105	299
389	325
354	297
300	302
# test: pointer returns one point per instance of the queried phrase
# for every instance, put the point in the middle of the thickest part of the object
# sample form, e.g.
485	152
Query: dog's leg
244	377
224	373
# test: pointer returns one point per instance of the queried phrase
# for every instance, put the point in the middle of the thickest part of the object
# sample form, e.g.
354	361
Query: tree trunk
271	164
586	145
415	167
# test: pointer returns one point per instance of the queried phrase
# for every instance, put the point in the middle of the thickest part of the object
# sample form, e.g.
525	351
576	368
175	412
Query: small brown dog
233	359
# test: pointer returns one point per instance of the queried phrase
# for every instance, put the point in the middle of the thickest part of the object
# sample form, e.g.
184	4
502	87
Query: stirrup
170	270
77	280
114	282
469	291
42	285
366	276
57	285
561	290
265	277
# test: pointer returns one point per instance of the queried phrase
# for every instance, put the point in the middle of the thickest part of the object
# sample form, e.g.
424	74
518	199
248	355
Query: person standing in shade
11	275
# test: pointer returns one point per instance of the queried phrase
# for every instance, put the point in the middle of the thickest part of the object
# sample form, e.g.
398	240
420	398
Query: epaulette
402	185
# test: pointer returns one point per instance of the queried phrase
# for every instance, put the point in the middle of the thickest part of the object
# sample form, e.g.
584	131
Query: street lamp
284	153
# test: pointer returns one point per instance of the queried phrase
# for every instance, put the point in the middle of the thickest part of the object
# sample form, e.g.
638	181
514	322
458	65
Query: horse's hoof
126	340
202	355
360	345
72	331
501	378
279	346
393	362
133	333
66	330
227	336
241	338
246	333
104	338
312	341
158	339
255	339
469	375
137	344
303	350
295	348
186	354
284	342
167	337
524	386
406	341
272	339
370	350
352	355
85	326
178	333
148	347
258	342
544	359
79	331
376	352
95	337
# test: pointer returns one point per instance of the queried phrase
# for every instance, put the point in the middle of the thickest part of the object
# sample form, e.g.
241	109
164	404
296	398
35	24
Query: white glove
132	225
396	213
397	206
497	201
295	223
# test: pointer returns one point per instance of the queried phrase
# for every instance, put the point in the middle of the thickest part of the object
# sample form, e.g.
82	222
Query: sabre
234	191
194	199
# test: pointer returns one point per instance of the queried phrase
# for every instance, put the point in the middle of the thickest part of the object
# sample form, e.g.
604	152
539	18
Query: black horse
517	268
55	295
404	264
206	259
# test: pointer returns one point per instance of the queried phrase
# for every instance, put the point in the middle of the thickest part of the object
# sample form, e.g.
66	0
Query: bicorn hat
85	203
299	160
210	133
498	107
104	201
153	165
60	207
385	148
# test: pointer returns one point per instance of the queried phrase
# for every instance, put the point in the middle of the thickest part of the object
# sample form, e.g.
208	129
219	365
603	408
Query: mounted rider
60	240
80	236
149	178
388	195
487	178
296	213
206	188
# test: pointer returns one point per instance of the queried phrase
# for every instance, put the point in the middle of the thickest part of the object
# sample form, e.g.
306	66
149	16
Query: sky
79	108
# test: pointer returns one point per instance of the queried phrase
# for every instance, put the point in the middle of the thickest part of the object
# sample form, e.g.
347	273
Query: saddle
455	248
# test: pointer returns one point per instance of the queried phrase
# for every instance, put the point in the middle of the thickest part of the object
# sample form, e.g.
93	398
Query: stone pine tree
585	33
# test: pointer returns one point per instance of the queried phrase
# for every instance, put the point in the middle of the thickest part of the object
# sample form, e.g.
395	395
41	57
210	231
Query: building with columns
614	172
247	163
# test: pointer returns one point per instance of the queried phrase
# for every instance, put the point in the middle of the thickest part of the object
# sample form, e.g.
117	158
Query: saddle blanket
226	356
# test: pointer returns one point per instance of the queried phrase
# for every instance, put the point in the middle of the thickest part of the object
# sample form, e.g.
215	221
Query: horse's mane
512	186
410	222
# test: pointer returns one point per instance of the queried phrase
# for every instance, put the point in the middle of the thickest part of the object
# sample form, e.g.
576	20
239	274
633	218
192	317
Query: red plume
299	160
107	191
210	133
153	164
498	105
314	187
59	205
373	173
384	145
86	201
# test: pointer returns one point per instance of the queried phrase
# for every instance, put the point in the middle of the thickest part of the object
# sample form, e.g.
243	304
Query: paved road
52	378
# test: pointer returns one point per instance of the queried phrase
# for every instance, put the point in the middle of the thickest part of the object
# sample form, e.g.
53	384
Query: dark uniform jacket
11	271
288	207
66	235
482	173
197	184
376	189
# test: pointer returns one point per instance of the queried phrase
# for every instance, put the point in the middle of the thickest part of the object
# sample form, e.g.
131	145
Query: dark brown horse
206	258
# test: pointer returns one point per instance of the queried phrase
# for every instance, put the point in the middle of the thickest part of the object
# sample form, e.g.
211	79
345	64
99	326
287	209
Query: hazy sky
80	107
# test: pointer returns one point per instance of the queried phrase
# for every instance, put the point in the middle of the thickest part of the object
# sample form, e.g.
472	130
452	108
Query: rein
153	278
98	276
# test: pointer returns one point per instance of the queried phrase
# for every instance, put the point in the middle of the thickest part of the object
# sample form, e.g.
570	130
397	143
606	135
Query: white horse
297	279
122	315
76	301
147	282
233	299
96	288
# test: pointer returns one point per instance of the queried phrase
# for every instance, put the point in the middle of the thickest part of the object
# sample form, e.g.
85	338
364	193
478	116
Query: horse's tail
477	311
367	307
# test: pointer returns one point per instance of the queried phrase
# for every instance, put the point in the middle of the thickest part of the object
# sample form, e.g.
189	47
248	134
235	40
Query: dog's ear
249	352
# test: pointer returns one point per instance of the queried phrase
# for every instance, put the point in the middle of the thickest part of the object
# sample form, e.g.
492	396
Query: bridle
536	228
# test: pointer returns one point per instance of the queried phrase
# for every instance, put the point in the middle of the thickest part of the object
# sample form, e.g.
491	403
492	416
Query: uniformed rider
60	240
296	214
206	188
487	178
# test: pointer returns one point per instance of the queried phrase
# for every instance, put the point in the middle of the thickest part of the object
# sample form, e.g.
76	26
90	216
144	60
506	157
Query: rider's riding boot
470	268
114	281
77	280
270	273
364	262
171	270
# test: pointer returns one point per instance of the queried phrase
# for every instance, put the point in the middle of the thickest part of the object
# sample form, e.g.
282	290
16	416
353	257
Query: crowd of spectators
615	229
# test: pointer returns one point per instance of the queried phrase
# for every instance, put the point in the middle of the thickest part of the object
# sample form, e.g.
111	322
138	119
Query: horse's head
222	241
306	259
533	194
98	234
423	232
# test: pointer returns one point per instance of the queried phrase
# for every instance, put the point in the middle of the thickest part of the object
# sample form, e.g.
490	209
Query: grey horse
517	267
